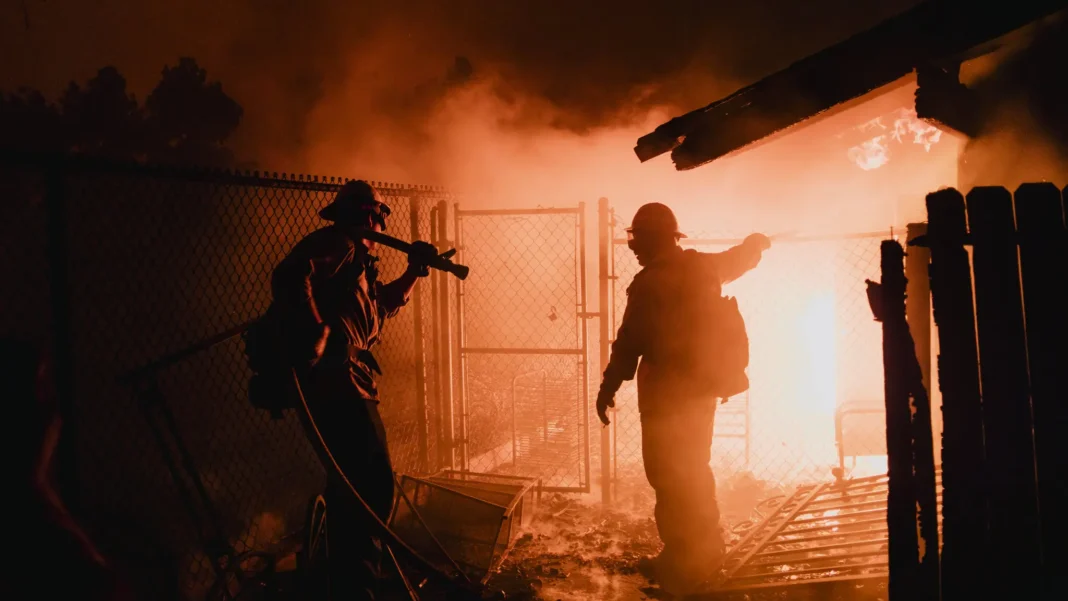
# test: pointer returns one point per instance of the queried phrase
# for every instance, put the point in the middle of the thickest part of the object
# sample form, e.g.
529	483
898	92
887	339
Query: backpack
714	345
271	386
730	357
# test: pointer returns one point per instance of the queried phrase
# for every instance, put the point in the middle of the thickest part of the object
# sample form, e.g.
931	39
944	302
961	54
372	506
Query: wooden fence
998	276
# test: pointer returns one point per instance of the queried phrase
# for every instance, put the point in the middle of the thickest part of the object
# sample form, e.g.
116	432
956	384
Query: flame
871	154
795	363
922	132
875	152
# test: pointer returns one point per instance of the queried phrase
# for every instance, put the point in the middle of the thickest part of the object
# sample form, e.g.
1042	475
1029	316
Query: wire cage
464	520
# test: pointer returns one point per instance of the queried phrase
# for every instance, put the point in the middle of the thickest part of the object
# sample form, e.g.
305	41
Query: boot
691	575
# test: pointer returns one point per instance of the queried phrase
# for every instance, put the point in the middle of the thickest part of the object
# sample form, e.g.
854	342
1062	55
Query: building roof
936	32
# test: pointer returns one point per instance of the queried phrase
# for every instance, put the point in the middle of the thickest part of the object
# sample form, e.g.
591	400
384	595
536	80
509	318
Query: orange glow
814	344
794	365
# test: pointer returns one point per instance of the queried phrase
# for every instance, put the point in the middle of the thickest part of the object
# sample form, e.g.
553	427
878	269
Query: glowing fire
813	348
875	152
870	154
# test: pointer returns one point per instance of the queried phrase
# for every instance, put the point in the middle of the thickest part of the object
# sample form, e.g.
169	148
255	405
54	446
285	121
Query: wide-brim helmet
354	201
657	218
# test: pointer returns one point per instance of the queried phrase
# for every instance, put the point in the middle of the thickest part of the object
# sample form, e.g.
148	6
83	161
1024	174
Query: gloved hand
420	256
759	240
318	346
605	401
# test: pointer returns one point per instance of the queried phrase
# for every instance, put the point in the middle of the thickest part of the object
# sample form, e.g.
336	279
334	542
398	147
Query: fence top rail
236	177
518	212
784	239
475	350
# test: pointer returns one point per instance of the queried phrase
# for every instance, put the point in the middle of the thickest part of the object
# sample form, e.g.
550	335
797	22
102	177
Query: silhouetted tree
186	119
103	119
29	122
190	118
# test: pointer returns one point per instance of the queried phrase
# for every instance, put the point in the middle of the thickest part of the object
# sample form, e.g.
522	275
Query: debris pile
578	549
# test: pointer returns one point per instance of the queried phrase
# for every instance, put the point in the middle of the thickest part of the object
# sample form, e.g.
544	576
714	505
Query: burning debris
580	550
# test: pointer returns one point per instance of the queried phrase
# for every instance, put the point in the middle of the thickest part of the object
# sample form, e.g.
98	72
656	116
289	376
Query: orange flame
875	152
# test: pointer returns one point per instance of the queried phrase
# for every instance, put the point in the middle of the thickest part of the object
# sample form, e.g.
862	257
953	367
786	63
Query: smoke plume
1021	92
522	102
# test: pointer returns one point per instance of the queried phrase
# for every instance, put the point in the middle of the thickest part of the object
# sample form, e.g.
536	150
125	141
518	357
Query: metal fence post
444	323
62	330
918	299
918	313
584	315
415	205
604	247
458	342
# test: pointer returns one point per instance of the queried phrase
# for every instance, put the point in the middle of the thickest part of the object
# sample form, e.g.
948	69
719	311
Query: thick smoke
1024	122
532	102
524	101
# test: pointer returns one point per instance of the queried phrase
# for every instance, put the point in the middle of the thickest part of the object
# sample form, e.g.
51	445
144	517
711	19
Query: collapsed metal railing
822	535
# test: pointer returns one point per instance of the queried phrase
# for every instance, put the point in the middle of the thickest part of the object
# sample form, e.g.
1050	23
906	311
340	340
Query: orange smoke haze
525	104
544	108
1021	91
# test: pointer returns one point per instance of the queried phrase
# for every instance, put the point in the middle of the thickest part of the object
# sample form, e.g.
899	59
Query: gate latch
589	314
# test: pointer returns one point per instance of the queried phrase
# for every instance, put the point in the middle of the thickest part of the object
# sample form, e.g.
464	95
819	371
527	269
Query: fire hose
440	262
380	528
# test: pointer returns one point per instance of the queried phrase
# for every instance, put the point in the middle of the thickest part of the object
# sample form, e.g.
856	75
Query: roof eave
931	33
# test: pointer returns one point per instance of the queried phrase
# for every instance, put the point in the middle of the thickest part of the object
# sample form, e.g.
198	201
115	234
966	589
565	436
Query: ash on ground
578	549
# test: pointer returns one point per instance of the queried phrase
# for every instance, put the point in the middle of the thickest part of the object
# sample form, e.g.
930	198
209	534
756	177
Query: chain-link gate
815	399
523	389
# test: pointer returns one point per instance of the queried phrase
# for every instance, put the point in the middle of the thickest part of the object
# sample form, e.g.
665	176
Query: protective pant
677	449
355	435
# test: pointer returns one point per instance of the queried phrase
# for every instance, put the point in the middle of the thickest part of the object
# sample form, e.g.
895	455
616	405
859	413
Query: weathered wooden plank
964	525
1013	492
889	308
1043	264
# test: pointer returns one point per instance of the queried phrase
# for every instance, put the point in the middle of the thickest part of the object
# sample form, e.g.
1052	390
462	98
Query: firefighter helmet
354	201
655	217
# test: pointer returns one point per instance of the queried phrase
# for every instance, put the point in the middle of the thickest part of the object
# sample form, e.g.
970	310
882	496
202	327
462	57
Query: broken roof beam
932	32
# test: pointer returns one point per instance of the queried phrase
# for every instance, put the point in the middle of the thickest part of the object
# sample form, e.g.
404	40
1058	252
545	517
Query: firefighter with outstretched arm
693	351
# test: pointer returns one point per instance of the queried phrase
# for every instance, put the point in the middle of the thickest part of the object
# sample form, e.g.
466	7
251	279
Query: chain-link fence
116	268
815	398
523	345
136	264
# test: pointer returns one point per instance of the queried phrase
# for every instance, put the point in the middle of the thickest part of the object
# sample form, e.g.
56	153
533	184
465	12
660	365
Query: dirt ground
577	550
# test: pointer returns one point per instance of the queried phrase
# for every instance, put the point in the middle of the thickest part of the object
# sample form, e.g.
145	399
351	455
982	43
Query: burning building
493	374
943	95
863	131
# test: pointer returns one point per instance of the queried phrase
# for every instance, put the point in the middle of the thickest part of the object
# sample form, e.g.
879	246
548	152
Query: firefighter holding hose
332	307
688	346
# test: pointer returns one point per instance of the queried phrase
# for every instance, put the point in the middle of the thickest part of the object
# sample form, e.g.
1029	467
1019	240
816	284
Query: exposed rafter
938	33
